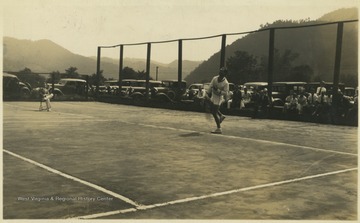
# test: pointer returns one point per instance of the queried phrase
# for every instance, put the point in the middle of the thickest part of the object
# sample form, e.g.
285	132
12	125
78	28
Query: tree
26	70
242	67
128	73
26	75
301	73
71	72
282	64
56	75
350	80
93	79
318	78
141	75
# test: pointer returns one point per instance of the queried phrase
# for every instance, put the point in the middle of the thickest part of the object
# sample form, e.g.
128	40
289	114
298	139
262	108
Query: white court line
245	138
190	199
79	115
192	131
99	188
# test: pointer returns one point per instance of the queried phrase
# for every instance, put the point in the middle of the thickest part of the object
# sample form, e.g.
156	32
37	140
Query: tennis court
93	160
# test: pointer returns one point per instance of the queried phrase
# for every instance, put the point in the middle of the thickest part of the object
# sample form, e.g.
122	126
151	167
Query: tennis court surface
91	160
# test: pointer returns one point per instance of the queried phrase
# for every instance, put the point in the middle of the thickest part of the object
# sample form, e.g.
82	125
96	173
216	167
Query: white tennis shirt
219	90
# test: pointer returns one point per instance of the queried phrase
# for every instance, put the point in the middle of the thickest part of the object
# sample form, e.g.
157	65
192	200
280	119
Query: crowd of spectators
321	104
315	104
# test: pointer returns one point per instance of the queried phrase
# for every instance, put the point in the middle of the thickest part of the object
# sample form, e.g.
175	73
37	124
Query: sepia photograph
180	110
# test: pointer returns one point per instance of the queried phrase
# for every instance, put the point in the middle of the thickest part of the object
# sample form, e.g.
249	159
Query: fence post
223	47
271	61
148	70
98	72
53	82
339	36
87	88
179	67
121	65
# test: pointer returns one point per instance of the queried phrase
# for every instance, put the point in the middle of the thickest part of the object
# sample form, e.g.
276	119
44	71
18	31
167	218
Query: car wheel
57	94
137	99
171	95
278	103
25	94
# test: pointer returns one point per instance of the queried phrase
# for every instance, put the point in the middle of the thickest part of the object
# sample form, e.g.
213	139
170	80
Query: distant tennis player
218	91
45	96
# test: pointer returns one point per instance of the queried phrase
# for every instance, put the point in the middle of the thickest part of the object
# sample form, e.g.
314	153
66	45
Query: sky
82	25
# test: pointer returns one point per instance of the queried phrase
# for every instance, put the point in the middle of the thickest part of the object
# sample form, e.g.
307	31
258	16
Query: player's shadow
192	134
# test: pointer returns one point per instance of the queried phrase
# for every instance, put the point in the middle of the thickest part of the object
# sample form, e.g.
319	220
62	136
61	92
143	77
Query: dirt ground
94	160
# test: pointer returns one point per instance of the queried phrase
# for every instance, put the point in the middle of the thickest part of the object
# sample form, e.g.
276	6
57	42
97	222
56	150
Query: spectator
302	103
246	97
323	104
312	101
199	98
291	103
201	93
340	105
256	99
352	115
153	92
265	101
235	102
321	88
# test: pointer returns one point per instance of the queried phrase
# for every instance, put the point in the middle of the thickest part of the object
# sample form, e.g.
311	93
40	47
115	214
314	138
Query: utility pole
157	72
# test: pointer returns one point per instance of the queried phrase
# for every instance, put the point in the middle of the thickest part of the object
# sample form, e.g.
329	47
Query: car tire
25	94
137	99
171	95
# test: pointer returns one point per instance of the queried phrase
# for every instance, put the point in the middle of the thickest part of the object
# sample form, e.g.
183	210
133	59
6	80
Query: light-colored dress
219	90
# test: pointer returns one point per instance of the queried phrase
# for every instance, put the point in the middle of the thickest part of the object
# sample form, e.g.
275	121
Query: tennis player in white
45	96
218	91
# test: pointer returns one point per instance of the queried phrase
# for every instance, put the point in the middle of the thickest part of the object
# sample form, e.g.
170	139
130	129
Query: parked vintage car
136	89
158	86
126	83
103	90
251	86
13	88
173	88
193	90
349	91
280	90
70	86
112	86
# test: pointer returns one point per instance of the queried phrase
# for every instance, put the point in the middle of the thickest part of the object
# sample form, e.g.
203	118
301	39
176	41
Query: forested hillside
303	53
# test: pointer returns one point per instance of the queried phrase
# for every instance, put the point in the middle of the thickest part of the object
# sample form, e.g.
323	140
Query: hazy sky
82	25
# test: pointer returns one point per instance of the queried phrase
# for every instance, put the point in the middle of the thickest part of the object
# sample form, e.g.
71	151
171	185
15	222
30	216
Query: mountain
315	46
42	56
340	15
165	71
47	56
